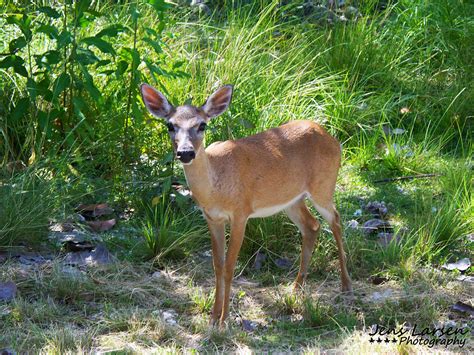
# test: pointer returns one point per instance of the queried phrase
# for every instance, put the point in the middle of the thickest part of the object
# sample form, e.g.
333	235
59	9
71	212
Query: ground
135	308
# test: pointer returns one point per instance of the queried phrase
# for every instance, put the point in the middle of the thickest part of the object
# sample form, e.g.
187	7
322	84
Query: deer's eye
202	127
170	127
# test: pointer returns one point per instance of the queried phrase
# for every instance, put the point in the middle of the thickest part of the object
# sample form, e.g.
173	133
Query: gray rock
248	325
376	225
377	209
283	263
7	291
351	12
461	265
169	316
99	256
259	259
353	224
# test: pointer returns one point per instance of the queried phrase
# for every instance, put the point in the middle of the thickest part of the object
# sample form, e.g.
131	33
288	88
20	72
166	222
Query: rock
61	227
64	237
7	351
94	210
461	265
99	256
7	291
462	307
465	278
169	316
259	259
283	263
353	224
351	12
377	209
398	131
101	226
33	259
158	275
375	225
384	238
379	297
378	280
248	325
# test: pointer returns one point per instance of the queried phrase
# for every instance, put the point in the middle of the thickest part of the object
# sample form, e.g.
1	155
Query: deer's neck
198	177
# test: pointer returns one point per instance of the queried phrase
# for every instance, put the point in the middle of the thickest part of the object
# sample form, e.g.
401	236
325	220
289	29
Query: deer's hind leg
323	202
309	228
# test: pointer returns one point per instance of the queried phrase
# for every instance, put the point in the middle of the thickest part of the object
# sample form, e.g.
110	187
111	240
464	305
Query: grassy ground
127	308
394	85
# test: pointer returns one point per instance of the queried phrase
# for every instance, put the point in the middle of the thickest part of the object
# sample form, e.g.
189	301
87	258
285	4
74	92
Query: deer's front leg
236	237
217	230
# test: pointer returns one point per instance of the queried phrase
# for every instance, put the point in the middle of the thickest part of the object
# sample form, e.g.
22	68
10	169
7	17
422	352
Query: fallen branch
410	177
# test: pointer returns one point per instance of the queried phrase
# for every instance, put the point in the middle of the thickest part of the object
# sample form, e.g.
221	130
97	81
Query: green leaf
103	62
23	22
43	123
49	11
135	14
135	59
154	44
63	39
89	84
50	31
122	66
100	44
60	84
31	87
178	64
79	105
47	59
159	5
9	61
86	57
21	70
20	109
15	62
112	31
17	43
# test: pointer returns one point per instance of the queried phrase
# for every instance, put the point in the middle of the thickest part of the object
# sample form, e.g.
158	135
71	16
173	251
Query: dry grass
124	308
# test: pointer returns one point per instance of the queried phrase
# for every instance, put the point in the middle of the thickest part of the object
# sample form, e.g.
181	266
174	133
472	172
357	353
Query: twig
410	177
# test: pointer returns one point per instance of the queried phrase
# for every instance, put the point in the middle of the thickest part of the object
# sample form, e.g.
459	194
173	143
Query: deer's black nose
186	155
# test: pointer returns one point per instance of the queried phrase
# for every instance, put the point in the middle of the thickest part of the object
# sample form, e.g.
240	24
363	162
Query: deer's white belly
269	211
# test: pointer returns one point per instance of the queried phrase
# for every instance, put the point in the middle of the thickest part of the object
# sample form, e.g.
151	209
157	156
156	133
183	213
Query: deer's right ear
156	102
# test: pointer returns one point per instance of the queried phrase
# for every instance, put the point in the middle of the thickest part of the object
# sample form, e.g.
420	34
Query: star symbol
379	340
394	340
371	340
387	340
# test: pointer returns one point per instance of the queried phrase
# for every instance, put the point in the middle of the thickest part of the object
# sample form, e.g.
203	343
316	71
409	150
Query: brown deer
256	176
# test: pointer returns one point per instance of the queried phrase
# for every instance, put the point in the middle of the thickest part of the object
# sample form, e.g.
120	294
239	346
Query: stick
410	177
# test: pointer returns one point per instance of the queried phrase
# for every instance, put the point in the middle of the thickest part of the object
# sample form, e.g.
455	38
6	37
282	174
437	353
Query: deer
255	176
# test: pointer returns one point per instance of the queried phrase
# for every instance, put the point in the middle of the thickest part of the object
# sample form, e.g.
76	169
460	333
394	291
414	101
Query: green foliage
170	232
70	77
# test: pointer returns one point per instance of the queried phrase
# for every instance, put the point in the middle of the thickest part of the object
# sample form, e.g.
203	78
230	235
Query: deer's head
186	124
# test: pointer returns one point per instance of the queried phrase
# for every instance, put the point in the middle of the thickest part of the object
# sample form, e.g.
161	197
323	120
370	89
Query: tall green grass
353	77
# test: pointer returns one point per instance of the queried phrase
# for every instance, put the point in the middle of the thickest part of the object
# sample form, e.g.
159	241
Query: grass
405	67
121	307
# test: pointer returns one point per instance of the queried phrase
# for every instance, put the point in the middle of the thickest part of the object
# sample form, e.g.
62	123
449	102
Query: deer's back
276	165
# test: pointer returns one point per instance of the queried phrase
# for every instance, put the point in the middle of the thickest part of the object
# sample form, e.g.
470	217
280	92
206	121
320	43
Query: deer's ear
218	102
156	102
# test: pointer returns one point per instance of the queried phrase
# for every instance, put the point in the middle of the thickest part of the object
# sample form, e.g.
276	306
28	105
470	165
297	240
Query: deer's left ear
218	102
